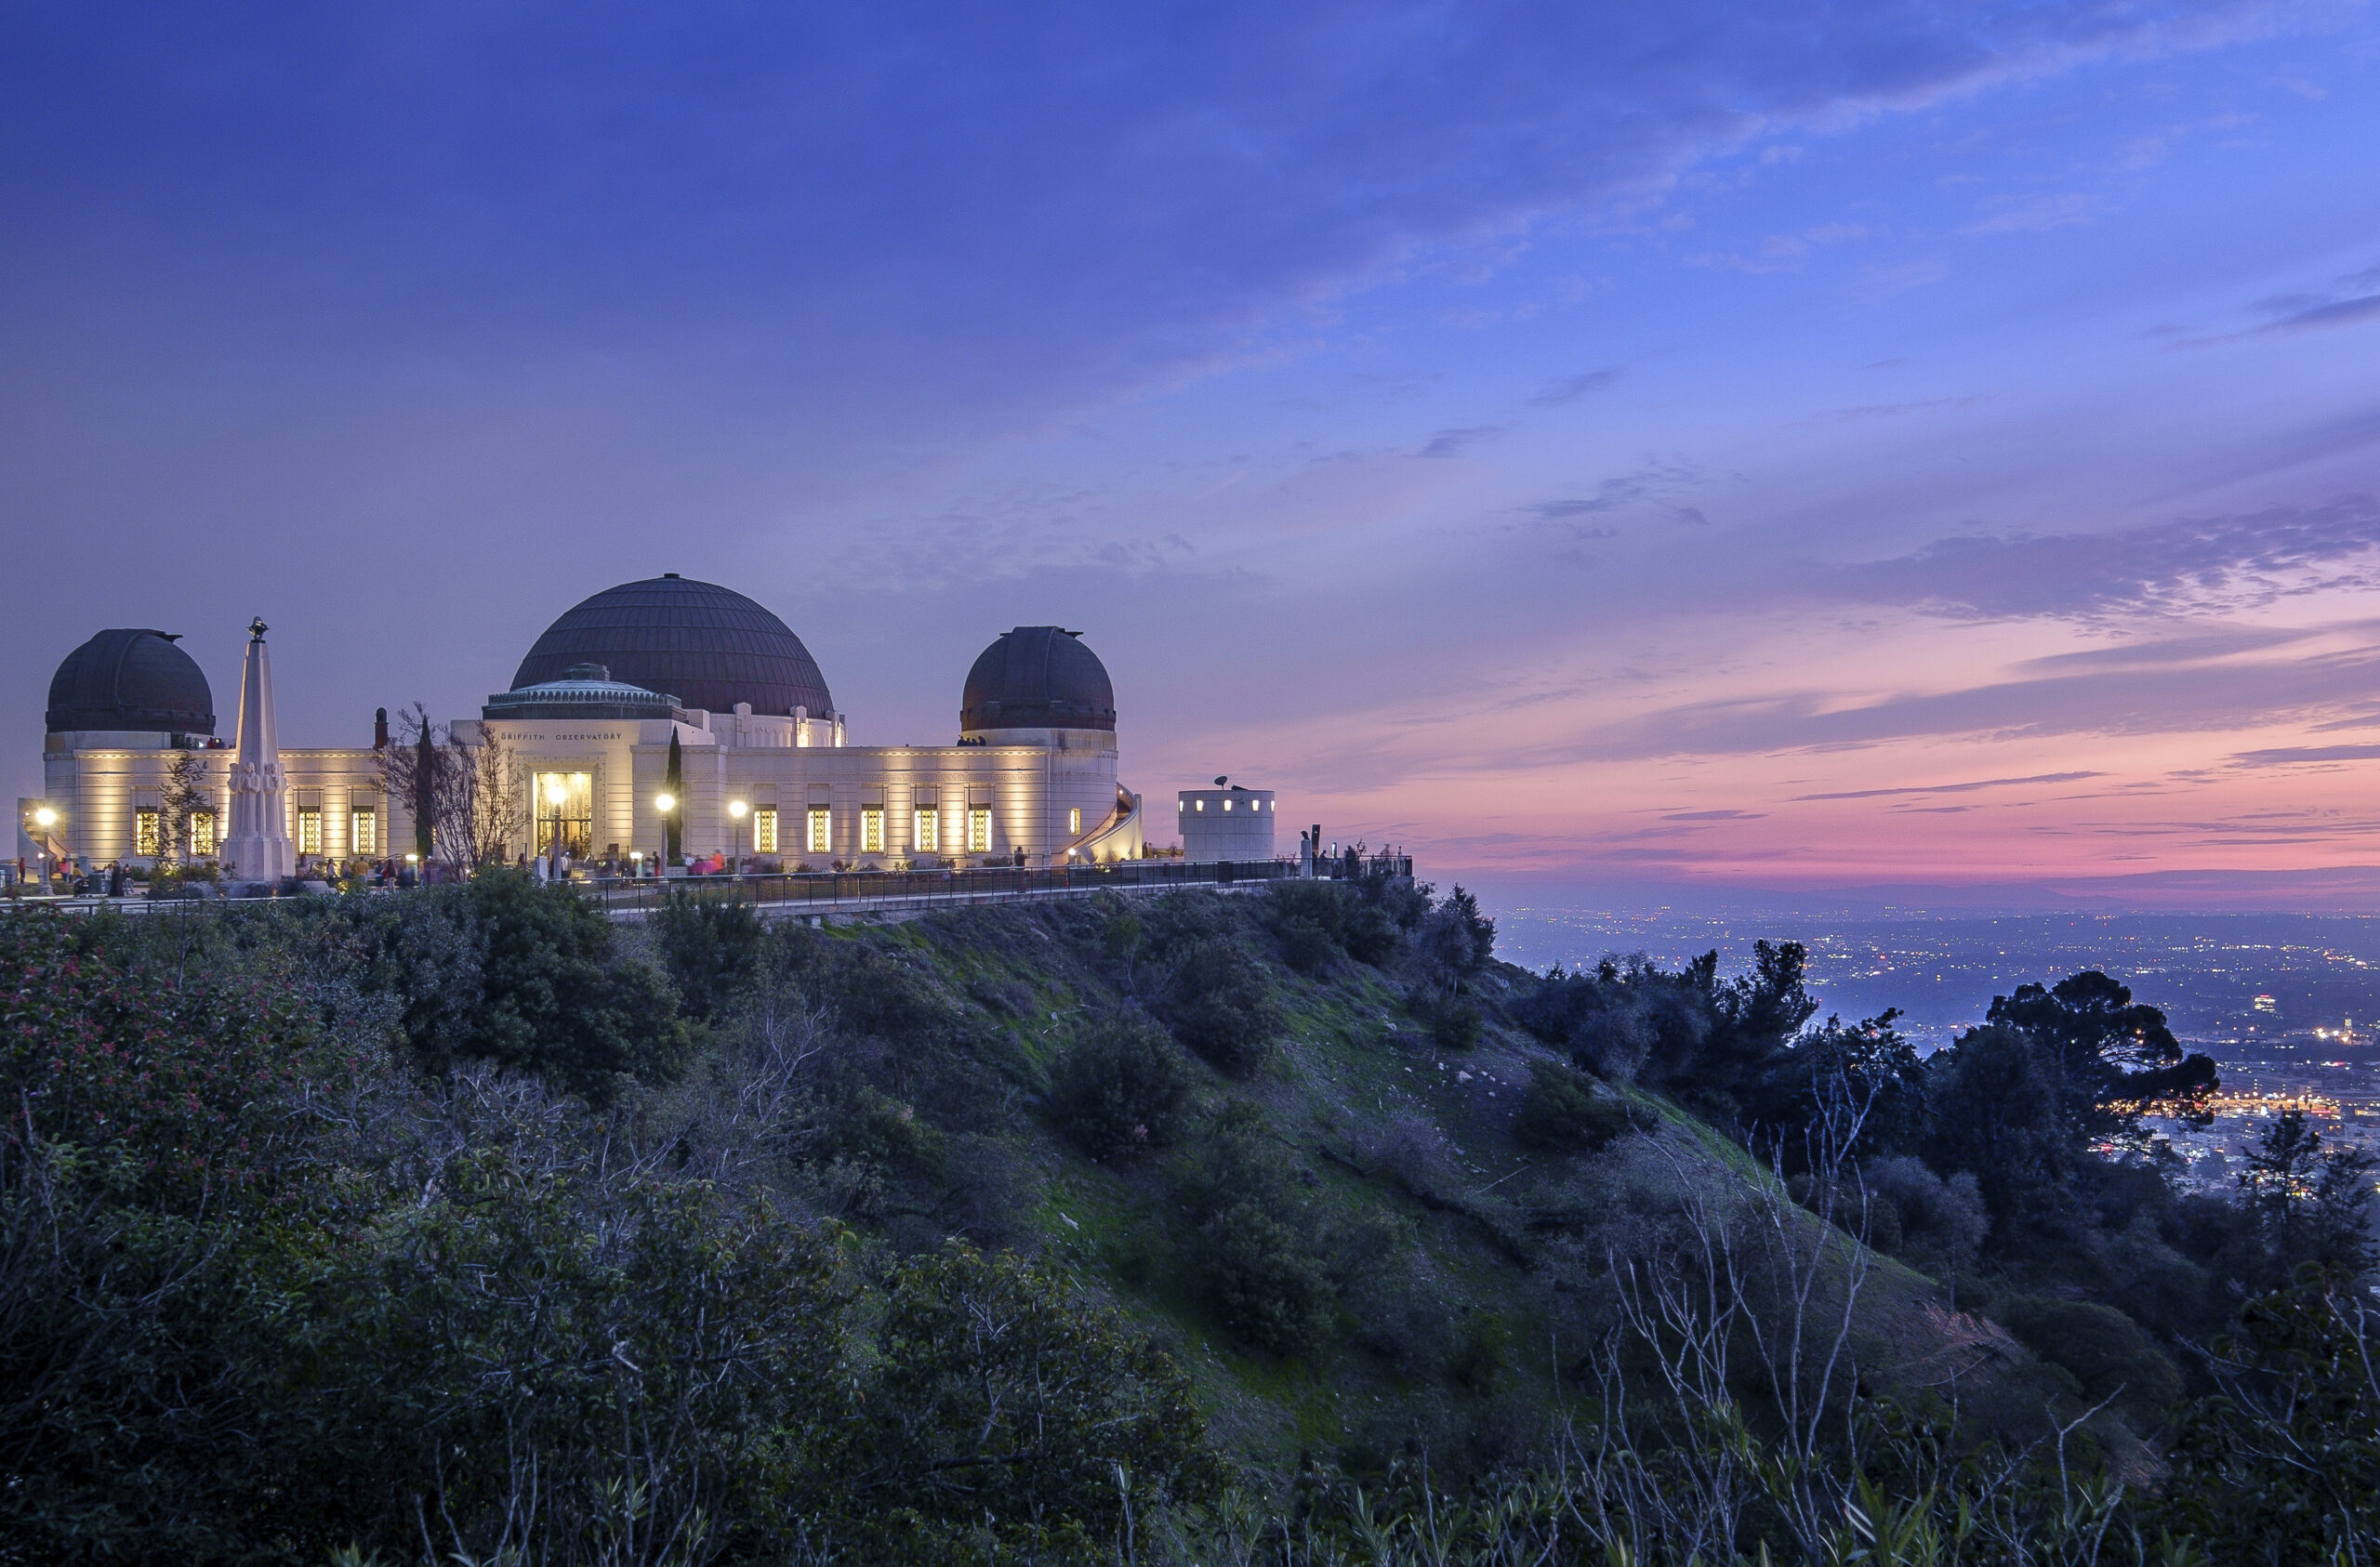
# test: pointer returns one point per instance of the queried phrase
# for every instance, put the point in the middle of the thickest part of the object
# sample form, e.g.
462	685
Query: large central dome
708	646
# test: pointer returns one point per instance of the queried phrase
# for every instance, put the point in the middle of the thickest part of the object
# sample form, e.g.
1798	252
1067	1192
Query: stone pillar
259	848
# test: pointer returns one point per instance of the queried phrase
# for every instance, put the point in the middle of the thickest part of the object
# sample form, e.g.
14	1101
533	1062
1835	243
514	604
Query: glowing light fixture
736	808
665	802
45	817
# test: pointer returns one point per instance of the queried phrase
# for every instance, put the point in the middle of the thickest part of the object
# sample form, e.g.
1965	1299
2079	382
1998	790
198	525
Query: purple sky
1780	444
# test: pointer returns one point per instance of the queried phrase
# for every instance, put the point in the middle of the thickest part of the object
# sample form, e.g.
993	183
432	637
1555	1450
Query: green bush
1120	1088
2105	1350
527	977
1265	1285
2282	1462
1254	1248
1318	922
1007	1420
1454	1022
456	1321
1307	947
1566	1111
711	942
1220	1005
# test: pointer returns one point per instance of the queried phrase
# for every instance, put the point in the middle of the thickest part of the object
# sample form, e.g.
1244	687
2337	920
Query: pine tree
425	793
2312	1202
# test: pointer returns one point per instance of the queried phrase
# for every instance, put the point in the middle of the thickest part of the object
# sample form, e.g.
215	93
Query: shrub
1319	922
711	942
1567	1113
527	977
2103	1348
1940	1224
1010	998
2282	1463
1254	1247
1265	1287
1454	1022
1306	946
1062	1420
1482	1357
1454	941
1120	1088
1373	937
1222	1006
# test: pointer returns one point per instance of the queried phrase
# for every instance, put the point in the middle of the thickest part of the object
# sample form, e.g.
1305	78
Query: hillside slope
1389	1217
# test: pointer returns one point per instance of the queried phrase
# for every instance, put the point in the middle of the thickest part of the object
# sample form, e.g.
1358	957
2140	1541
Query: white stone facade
1225	824
1050	795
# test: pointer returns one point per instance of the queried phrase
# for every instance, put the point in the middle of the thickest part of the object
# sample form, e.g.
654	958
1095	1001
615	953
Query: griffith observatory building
588	724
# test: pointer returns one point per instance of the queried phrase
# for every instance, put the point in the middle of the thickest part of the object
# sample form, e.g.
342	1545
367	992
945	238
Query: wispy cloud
1570	389
2011	215
2296	755
2193	564
2333	313
1952	788
1925	405
1456	442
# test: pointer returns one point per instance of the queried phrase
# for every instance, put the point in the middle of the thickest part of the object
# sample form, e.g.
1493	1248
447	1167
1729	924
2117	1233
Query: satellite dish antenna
1220	781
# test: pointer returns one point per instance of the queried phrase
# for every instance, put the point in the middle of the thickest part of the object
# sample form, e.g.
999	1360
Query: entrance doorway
565	814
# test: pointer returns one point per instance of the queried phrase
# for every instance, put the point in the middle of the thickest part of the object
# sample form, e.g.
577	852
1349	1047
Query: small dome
585	691
709	645
1037	677
130	679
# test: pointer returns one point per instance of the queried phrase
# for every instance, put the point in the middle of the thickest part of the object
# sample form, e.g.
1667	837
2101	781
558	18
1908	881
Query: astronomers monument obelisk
258	849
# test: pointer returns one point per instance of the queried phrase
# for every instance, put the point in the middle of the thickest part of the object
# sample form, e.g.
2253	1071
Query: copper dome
1037	677
708	646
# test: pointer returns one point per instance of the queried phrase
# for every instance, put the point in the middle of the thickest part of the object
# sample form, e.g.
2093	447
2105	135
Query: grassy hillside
1460	1268
1286	1227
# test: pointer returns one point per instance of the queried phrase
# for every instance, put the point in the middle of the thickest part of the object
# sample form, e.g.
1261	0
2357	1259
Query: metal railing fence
826	891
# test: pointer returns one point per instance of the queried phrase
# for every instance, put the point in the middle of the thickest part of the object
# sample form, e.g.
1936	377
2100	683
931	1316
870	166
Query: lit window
147	836
979	831
1226	805
1074	820
764	829
871	829
310	832
364	830
929	824
202	832
822	830
1200	805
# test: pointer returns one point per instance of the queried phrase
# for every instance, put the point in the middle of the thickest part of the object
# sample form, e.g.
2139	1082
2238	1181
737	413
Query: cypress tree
425	792
673	820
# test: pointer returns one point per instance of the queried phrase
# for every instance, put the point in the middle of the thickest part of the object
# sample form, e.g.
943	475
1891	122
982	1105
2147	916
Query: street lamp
665	803
555	797
44	818
736	808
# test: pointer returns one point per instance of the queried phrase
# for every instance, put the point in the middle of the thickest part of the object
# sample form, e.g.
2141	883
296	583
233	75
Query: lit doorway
565	814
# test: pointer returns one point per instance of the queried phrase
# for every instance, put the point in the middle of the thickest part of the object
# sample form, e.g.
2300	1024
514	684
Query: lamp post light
737	809
665	803
44	818
555	797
